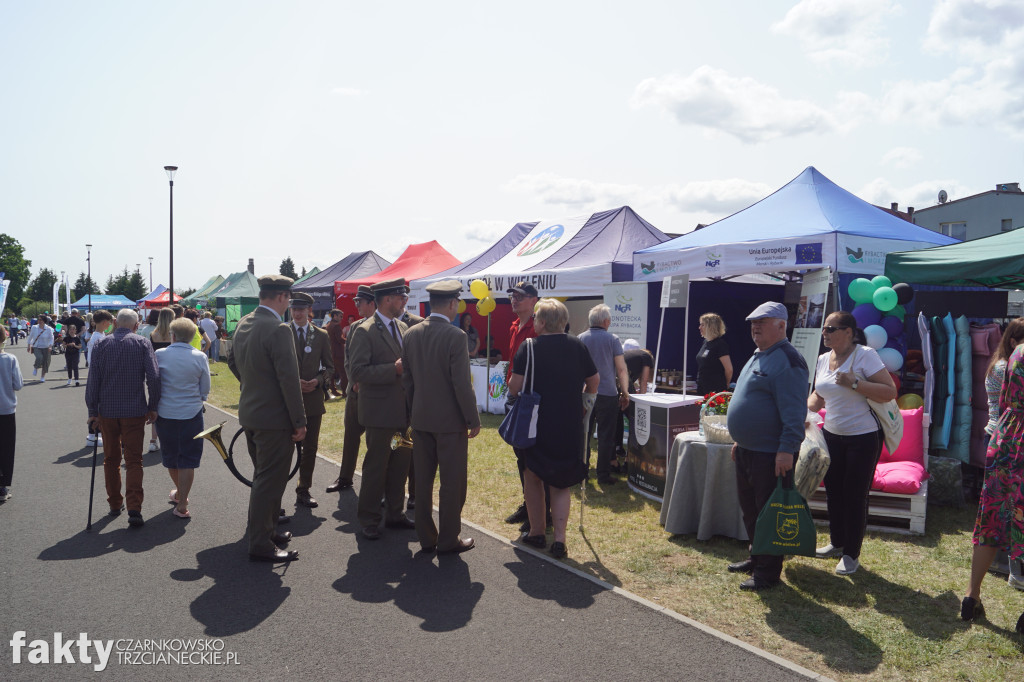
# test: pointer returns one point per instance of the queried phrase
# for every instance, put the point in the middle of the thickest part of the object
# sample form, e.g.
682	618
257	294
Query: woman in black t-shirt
714	366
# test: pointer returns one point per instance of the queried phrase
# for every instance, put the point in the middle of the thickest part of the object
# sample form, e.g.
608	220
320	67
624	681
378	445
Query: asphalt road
347	609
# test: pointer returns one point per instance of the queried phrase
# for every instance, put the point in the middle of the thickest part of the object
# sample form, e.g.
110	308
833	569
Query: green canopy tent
996	262
200	295
239	296
314	271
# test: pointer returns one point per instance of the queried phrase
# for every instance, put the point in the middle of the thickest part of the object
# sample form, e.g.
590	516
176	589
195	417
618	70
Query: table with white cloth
700	490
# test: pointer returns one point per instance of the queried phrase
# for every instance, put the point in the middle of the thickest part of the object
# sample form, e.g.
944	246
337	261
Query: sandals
972	609
186	515
538	541
173	497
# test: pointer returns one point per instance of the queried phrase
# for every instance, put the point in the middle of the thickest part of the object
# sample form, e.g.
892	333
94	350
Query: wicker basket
714	426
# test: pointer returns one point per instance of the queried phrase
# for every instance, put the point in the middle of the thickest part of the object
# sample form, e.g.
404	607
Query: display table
490	397
654	421
700	490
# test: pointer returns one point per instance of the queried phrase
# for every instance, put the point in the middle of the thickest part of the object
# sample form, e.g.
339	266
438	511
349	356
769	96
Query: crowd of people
407	387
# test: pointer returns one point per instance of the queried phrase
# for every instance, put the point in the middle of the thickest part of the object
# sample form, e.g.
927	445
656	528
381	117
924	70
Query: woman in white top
40	343
845	378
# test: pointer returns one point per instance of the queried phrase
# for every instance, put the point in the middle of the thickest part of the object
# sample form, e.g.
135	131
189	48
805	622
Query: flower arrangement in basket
713	410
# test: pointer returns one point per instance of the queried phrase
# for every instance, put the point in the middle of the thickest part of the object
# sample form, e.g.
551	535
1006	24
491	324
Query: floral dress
1001	508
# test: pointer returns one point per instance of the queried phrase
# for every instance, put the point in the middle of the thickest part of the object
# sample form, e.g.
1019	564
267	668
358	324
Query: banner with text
628	303
810	315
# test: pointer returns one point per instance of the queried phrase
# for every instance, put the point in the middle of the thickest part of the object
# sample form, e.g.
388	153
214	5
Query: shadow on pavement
442	594
253	589
549	585
87	545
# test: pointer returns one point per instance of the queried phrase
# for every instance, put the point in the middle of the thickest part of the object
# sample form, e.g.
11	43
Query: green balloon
881	281
861	290
884	299
199	306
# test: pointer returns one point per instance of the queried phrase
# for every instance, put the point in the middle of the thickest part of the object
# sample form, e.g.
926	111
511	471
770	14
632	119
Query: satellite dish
943	196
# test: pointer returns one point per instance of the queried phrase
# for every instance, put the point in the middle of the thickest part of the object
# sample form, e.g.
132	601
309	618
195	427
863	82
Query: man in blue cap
766	421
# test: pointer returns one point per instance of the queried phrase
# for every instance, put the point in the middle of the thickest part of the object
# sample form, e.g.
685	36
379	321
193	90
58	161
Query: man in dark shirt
524	298
123	364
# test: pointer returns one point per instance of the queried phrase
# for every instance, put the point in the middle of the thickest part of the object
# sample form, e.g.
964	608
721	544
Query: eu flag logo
808	253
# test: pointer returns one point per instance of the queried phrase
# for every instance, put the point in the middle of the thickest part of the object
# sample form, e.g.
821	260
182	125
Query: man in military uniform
444	417
366	307
375	363
316	369
262	357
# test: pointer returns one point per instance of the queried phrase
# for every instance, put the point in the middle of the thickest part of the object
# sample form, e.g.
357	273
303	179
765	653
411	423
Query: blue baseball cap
771	309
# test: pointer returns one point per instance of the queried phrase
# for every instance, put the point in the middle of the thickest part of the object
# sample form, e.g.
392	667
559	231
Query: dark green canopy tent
996	262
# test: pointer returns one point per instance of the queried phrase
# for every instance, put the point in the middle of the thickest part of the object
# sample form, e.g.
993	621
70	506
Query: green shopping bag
784	525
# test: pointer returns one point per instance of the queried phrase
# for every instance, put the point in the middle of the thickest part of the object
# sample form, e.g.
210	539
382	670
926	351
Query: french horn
400	440
213	434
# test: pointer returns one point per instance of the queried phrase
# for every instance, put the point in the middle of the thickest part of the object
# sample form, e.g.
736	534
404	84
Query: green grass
895	619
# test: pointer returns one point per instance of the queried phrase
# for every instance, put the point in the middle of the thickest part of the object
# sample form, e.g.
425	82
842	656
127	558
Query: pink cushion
899	477
911	448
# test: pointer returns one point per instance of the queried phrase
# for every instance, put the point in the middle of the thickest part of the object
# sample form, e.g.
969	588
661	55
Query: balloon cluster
880	313
485	303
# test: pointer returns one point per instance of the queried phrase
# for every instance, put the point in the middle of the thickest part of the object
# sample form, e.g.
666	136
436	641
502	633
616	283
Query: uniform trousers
350	442
271	453
755	483
310	446
449	454
124	434
384	474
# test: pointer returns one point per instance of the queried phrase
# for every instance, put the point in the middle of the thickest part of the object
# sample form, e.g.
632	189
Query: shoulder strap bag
887	414
519	427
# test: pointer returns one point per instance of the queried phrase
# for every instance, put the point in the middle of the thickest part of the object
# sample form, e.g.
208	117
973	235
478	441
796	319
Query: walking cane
588	407
92	481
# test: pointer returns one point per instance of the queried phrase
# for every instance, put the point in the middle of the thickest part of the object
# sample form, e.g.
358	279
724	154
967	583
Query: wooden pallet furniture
887	512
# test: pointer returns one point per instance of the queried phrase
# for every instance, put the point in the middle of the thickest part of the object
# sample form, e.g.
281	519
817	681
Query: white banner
584	281
810	315
628	303
541	243
726	260
4	286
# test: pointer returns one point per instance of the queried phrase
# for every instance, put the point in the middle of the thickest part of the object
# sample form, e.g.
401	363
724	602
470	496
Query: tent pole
487	386
686	336
657	351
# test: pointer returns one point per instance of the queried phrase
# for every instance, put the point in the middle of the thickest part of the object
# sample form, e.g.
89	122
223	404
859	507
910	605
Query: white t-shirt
846	411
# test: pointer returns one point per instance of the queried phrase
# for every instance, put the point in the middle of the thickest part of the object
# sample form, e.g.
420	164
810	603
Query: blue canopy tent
160	288
320	286
104	302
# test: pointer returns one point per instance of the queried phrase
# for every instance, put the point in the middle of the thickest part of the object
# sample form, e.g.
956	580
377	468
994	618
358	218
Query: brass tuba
402	441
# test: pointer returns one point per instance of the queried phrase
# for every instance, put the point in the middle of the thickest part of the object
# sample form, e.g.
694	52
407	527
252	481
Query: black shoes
745	566
463	546
305	499
117	512
757	584
526	524
135	518
371	533
519	515
281	538
558	549
339	485
403	522
972	609
538	541
275	557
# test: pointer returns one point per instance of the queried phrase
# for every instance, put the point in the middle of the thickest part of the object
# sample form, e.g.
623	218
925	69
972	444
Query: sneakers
5	494
69	383
828	551
154	445
135	518
93	439
35	371
847	565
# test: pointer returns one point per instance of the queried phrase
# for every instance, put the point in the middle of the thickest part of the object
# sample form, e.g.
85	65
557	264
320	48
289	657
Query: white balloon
891	358
876	336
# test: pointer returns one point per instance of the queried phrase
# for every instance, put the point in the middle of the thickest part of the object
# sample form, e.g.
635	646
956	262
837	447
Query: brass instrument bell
402	441
212	434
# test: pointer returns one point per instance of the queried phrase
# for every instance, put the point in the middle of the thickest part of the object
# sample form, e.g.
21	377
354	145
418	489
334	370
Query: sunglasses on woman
831	330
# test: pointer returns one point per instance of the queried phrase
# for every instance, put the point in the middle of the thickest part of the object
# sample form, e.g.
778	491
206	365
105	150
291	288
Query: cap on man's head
275	283
771	309
364	293
446	288
74	311
388	287
524	288
630	344
300	299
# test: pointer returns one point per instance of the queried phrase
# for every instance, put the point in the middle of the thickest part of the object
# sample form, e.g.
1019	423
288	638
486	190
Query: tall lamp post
88	275
151	273
170	178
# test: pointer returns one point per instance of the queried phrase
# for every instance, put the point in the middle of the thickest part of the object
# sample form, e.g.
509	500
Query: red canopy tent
161	300
418	260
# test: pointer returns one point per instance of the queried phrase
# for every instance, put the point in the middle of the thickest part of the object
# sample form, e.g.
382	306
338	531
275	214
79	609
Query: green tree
303	273
118	284
288	268
14	266
82	285
135	286
41	286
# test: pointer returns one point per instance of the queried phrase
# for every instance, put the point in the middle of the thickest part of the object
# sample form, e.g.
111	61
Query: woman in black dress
714	366
562	371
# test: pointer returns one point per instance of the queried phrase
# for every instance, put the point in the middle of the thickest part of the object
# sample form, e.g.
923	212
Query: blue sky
313	129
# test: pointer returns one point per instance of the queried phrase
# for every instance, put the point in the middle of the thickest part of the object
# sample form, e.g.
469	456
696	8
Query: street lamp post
88	275
151	273
170	178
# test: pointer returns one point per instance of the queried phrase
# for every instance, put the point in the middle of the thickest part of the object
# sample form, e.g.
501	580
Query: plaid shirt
119	364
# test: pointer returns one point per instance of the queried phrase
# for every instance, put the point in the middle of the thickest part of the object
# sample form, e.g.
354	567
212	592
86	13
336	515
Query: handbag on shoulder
888	415
519	427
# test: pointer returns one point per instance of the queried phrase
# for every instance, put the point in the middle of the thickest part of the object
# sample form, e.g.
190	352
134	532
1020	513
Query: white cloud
486	231
976	28
842	31
348	92
920	195
708	197
716	101
902	157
